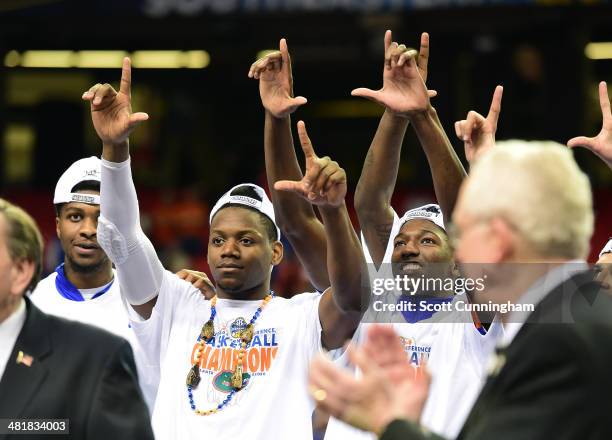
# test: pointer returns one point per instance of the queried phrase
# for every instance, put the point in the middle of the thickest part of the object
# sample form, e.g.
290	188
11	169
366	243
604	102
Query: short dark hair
249	191
85	185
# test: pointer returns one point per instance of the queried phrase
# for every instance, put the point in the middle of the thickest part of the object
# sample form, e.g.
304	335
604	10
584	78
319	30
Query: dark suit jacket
556	381
78	372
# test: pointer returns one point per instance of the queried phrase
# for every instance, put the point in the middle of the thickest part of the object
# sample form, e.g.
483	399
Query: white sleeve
384	270
389	249
308	310
153	333
139	270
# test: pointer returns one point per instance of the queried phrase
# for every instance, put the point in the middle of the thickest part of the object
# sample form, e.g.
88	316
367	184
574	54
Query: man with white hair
524	216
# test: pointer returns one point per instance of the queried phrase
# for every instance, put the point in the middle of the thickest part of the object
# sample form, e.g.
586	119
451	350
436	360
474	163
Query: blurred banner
191	7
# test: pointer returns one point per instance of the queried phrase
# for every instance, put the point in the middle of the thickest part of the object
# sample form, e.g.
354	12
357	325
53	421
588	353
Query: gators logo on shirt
223	381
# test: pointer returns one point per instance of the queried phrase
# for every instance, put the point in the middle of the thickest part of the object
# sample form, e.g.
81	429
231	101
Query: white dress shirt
9	331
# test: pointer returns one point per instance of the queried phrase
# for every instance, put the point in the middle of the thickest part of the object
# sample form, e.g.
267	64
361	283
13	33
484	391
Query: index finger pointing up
604	101
424	55
388	39
284	50
305	141
126	77
496	104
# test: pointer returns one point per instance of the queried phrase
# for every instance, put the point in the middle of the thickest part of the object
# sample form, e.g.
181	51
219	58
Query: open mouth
410	267
86	248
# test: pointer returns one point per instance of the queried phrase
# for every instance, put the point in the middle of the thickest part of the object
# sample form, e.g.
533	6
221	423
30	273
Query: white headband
264	205
607	248
80	171
91	199
431	212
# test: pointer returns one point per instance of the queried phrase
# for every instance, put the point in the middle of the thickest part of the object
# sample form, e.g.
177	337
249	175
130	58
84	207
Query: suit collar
20	380
537	293
546	311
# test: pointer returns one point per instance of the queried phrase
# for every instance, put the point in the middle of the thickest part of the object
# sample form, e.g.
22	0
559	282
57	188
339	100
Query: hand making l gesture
324	182
276	82
404	91
601	144
478	132
111	111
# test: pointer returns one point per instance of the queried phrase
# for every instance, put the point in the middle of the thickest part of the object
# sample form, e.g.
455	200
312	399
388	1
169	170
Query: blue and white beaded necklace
206	334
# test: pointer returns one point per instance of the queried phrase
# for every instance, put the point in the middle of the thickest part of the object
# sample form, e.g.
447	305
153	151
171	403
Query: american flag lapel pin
24	359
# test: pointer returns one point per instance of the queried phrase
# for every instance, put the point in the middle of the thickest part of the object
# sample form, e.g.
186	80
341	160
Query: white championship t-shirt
451	347
107	311
274	403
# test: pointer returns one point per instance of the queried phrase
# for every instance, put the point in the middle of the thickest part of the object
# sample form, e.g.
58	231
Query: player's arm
377	182
295	217
138	268
379	174
447	171
324	185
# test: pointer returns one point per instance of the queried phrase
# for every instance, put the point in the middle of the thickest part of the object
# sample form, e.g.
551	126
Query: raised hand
276	82
404	91
478	132
111	112
324	182
372	401
384	348
601	144
199	280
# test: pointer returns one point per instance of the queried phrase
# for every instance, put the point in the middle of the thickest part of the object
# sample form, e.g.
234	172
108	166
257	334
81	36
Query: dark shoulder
580	299
575	320
574	317
591	302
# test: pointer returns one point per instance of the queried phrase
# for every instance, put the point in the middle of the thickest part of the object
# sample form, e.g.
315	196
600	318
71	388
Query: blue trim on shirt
69	291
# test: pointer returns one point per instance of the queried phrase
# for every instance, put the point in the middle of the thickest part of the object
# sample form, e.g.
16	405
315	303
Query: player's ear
277	253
